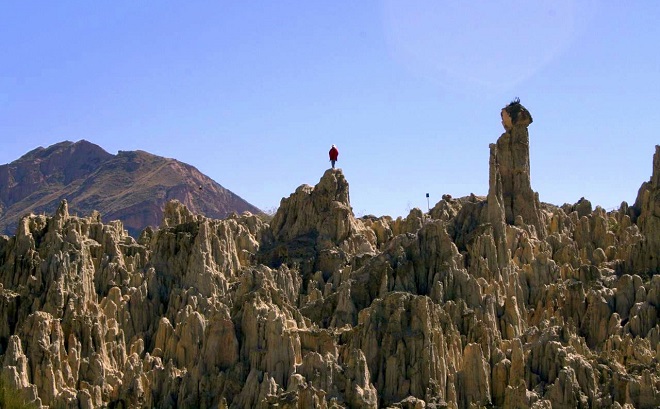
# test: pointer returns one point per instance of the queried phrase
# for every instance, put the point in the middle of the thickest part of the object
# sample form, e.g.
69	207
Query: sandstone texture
132	186
486	301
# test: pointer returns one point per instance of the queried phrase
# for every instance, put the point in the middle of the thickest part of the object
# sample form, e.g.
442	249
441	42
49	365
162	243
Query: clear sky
254	93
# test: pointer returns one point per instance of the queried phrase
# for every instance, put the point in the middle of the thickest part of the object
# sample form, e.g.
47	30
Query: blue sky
254	93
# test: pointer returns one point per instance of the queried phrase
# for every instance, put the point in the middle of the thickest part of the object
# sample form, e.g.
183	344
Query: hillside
132	186
486	301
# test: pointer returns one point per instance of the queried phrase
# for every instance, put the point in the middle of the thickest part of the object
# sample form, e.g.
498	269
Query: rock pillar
647	216
510	163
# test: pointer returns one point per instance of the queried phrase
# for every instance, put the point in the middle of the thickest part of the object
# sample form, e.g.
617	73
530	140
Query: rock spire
510	163
646	212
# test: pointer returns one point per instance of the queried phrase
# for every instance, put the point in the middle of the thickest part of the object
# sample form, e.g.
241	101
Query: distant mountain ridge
132	186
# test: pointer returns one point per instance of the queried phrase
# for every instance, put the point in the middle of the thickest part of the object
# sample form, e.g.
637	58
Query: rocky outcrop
316	229
132	186
459	308
646	213
510	157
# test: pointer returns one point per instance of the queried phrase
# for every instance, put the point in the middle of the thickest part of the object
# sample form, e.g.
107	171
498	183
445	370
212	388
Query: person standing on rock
334	154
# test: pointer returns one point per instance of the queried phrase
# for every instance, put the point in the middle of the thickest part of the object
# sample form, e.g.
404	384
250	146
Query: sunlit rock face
486	301
510	158
646	213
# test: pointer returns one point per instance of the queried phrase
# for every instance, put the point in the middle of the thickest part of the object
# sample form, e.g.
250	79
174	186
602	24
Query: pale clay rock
495	300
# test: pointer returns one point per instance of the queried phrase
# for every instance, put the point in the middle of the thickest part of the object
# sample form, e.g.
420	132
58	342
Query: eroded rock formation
487	301
510	158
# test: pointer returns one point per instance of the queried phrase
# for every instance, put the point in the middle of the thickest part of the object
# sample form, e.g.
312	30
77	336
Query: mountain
493	301
132	186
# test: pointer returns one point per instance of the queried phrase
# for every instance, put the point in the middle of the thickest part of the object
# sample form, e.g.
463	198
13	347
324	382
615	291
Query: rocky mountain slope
131	186
495	301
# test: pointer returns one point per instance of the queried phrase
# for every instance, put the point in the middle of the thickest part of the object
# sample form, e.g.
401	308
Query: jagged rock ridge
132	186
497	301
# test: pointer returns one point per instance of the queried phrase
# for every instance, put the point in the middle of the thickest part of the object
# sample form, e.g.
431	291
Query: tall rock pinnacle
647	215
510	164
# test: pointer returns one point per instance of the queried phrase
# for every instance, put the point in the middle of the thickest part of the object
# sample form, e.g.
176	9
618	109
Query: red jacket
334	153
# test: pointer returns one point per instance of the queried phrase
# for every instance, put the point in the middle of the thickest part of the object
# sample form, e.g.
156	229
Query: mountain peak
132	186
63	148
